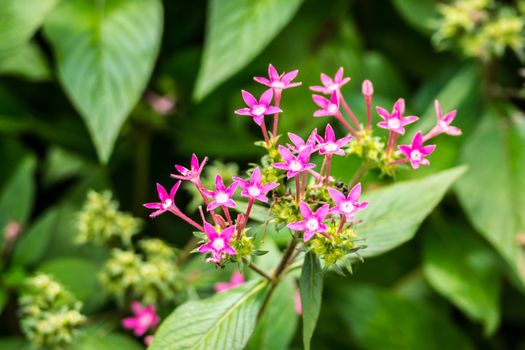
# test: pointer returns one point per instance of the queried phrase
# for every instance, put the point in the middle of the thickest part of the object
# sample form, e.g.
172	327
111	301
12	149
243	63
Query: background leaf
224	321
420	14
27	61
238	30
311	288
100	338
105	53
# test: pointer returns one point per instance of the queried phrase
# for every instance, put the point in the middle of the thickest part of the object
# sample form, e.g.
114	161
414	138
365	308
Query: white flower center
333	87
312	224
332	108
167	203
258	110
347	207
330	147
277	85
443	124
145	320
221	198
416	155
254	191
295	166
218	244
394	123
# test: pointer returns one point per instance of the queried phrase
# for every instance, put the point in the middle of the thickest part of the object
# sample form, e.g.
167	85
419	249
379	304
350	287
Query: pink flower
222	196
331	85
347	205
167	202
254	188
219	242
278	82
294	164
330	145
143	319
148	340
416	152
258	109
299	144
298	305
444	121
193	174
395	121
327	106
236	280
312	223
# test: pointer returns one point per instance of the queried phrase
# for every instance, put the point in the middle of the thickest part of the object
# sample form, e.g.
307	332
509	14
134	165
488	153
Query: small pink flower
299	144
219	242
312	223
298	305
236	280
167	202
143	318
278	82
254	188
148	340
331	85
222	196
444	121
294	164
416	152
395	121
327	107
258	109
330	145
347	205
193	174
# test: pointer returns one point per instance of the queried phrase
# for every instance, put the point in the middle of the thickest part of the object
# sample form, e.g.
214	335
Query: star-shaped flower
222	196
299	144
329	144
254	188
193	174
312	223
347	205
395	121
258	109
236	280
278	82
327	107
416	152
167	202
294	164
444	121
218	242
143	319
331	85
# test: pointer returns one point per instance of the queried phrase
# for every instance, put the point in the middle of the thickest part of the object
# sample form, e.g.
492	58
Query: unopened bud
12	230
368	88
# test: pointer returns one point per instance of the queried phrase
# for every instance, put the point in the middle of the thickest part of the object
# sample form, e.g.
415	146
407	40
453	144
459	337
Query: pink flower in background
167	202
416	152
312	223
327	107
148	340
443	124
254	188
222	196
299	144
278	82
193	174
298	305
258	109
236	280
143	318
347	205
330	145
219	242
331	85
395	121
294	164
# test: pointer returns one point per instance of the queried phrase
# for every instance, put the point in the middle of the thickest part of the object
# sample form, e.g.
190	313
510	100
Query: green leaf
100	338
420	14
311	288
395	212
105	52
493	191
14	343
31	246
383	320
464	270
238	30
27	61
224	321
19	20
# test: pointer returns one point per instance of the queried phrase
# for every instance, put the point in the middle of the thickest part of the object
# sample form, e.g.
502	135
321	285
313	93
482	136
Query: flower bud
367	88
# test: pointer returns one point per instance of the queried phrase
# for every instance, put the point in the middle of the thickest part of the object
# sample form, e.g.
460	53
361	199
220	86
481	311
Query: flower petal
266	97
248	98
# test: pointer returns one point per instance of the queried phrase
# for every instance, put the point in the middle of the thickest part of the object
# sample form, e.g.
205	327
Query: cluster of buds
50	315
100	222
318	209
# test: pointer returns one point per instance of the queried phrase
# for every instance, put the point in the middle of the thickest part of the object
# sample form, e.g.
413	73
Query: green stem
363	169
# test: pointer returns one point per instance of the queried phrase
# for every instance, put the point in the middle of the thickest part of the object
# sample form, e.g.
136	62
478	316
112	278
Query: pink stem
341	225
368	100
181	215
297	189
277	98
303	185
339	117
328	161
206	201
227	213
249	209
348	110
432	133
265	134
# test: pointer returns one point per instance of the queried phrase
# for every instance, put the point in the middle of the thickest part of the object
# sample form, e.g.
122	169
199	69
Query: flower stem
277	98
249	209
303	185
258	271
328	163
265	134
339	117
349	111
181	215
227	214
297	189
368	101
363	169
341	225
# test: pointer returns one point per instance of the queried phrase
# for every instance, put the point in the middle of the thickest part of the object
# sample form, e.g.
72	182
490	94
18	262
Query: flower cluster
50	315
319	210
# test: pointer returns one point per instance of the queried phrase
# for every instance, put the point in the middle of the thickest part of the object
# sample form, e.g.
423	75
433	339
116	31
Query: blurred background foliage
111	94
